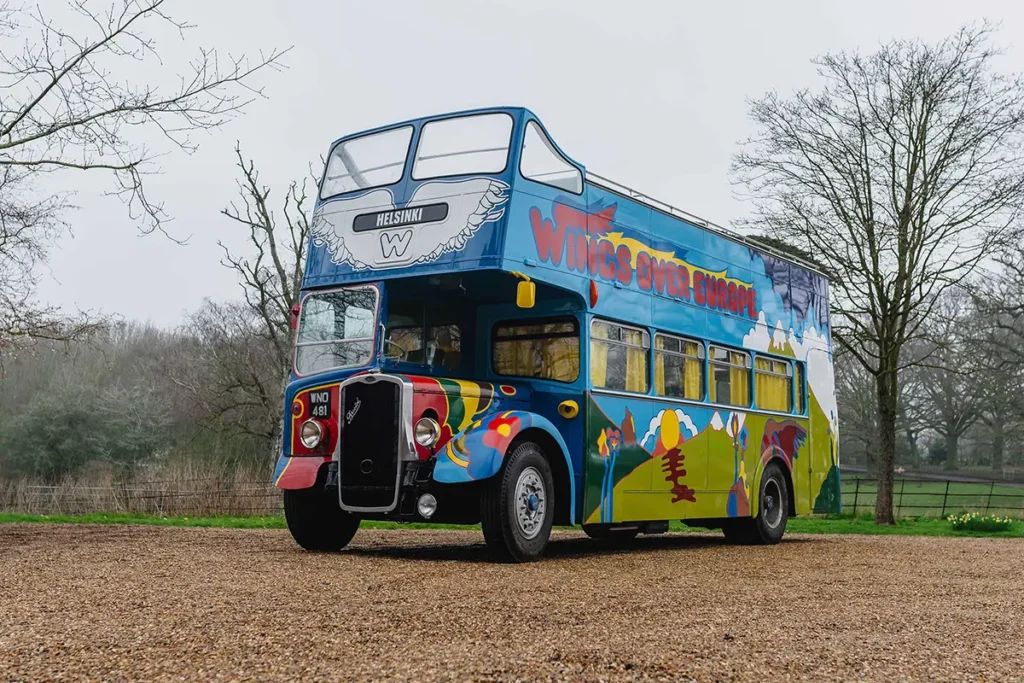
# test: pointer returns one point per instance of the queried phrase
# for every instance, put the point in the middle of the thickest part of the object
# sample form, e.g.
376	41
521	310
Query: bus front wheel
770	524
517	508
316	521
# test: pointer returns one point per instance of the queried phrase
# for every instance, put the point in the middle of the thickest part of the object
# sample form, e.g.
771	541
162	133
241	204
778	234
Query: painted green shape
830	496
456	407
629	458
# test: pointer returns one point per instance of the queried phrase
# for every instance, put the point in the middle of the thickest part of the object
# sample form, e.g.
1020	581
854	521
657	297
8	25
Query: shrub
972	521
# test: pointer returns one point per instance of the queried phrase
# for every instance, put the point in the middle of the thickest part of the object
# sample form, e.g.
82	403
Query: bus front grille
369	462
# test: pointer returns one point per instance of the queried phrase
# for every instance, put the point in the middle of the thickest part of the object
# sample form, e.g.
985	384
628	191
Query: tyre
772	514
316	521
517	508
605	532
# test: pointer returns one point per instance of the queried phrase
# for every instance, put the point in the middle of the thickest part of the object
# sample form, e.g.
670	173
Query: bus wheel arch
559	465
516	511
760	529
787	473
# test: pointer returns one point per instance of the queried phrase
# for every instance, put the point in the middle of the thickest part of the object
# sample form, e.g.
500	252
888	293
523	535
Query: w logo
393	245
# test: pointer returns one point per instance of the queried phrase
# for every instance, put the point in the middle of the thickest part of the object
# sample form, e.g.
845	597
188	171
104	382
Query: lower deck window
618	357
678	367
773	384
543	349
730	382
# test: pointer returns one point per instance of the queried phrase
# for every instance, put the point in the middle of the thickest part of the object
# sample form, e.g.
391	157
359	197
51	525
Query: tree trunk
952	446
885	385
915	451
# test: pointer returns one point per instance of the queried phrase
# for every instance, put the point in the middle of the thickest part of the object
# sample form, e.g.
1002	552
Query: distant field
915	498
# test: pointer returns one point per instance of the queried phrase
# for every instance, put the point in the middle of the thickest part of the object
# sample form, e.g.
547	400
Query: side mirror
294	322
526	294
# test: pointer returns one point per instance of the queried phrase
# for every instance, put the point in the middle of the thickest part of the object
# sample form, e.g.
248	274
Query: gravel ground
133	602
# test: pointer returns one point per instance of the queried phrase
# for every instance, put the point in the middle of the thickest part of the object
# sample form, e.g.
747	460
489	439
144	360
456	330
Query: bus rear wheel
317	522
770	524
517	508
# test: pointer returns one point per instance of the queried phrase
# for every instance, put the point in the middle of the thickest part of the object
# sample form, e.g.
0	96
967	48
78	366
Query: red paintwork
300	473
330	425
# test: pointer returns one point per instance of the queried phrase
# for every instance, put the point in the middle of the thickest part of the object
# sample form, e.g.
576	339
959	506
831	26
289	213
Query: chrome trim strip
406	446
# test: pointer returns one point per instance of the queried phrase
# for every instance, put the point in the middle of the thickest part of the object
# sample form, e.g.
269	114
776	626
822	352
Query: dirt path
124	602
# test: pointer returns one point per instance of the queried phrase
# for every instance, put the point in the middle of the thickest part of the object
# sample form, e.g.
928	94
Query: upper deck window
541	162
367	161
467	144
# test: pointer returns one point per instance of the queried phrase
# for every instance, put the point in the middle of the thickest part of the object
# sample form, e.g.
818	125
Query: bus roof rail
664	207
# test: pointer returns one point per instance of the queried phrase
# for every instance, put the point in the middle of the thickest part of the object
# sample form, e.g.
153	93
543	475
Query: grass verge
802	525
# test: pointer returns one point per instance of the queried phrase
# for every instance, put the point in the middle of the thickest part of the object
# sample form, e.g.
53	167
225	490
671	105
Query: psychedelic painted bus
489	334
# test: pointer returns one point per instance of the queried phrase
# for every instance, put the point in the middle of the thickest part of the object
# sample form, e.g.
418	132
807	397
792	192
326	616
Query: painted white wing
471	204
332	227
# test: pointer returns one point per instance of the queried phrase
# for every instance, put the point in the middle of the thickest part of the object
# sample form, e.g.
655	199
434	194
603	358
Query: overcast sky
650	94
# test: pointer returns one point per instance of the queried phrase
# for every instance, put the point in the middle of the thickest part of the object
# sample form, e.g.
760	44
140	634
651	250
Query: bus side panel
647	459
825	489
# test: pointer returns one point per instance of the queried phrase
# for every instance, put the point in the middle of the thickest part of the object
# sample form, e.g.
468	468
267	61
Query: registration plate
320	404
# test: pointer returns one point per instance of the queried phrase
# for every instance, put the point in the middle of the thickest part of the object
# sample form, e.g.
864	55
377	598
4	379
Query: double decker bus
490	334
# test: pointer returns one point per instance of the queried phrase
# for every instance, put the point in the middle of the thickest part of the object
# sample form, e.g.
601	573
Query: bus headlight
426	432
311	433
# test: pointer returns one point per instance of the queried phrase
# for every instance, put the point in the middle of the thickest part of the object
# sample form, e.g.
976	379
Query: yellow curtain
636	369
514	358
739	392
800	389
561	359
692	370
739	379
598	363
772	389
659	373
691	377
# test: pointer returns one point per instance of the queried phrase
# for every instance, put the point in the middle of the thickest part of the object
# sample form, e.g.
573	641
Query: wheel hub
530	502
772	512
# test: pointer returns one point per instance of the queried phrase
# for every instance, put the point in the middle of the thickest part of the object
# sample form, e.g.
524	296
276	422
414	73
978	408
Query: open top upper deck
489	190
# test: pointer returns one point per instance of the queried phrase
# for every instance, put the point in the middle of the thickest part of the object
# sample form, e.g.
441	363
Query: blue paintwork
482	449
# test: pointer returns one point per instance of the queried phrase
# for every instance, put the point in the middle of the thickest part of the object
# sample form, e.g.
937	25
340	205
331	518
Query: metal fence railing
194	498
935	498
245	497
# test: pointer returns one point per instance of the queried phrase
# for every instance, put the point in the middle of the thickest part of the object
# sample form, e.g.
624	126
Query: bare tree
899	176
248	346
270	273
67	103
948	383
912	411
854	399
999	301
228	368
